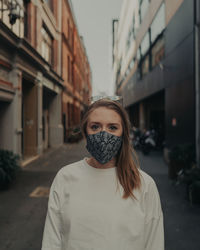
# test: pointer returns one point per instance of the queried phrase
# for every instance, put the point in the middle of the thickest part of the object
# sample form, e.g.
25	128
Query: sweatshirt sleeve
154	231
52	229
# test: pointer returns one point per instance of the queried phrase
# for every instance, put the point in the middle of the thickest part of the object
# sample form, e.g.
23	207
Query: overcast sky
94	20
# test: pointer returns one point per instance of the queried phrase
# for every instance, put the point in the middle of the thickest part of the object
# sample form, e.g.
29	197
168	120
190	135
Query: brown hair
127	166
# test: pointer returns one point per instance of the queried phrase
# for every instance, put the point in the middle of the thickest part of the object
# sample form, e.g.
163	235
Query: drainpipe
197	78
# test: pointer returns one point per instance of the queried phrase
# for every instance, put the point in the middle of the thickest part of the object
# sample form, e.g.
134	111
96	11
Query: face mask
103	146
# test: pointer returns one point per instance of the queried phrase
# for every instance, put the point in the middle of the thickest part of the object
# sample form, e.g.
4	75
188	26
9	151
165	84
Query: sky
94	21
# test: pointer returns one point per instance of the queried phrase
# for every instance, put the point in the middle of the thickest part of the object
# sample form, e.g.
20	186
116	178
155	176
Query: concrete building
76	72
156	67
30	76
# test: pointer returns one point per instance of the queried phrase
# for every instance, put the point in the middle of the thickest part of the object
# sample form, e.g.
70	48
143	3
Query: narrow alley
23	207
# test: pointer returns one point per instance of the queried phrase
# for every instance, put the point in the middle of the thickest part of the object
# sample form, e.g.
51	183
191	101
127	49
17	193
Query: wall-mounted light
14	9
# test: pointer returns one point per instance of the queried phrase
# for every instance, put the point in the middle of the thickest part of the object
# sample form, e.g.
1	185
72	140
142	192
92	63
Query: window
133	26
70	33
128	41
68	28
145	66
119	70
69	68
143	56
138	54
47	46
158	23
157	51
72	72
145	44
144	4
151	50
131	35
157	38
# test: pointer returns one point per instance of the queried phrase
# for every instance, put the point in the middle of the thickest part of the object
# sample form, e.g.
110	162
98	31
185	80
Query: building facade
33	71
76	72
30	66
154	67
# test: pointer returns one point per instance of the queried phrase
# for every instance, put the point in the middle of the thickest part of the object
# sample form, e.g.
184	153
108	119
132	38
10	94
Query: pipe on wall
197	77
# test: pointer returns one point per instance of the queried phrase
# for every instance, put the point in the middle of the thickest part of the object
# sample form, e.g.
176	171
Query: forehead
103	114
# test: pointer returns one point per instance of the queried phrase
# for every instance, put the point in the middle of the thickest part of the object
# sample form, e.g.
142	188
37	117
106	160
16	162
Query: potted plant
181	156
191	177
8	168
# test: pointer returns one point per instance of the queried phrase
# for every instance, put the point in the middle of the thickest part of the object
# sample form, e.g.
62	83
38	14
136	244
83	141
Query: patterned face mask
103	146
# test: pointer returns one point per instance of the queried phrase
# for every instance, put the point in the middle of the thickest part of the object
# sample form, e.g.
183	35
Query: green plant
191	177
183	154
8	168
181	157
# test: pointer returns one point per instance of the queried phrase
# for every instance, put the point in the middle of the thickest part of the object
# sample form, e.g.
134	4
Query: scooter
148	141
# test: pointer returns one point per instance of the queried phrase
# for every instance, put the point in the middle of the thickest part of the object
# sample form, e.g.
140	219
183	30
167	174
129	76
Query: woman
104	202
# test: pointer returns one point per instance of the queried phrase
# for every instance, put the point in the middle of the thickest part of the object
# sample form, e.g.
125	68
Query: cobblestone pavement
22	216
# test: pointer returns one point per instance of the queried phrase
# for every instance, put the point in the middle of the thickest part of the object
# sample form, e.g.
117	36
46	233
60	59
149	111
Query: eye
113	128
94	127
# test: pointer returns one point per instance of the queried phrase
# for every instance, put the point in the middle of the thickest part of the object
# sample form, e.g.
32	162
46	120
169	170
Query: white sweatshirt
86	211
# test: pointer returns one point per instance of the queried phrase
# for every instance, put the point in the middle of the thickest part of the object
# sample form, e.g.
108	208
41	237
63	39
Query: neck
94	163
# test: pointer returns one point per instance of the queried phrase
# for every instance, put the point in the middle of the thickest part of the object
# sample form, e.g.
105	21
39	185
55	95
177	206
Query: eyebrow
112	123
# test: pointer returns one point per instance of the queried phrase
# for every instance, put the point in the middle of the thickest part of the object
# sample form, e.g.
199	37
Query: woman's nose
104	129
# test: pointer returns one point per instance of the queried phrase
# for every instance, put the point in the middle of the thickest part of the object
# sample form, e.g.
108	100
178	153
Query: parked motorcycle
146	141
149	141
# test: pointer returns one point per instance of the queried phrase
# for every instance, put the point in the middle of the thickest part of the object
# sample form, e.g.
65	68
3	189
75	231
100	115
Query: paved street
181	219
22	217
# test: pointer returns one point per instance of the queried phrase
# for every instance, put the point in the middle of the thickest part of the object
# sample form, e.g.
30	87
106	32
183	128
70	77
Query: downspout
197	78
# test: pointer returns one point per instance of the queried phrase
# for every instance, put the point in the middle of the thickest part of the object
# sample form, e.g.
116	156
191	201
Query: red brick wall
74	68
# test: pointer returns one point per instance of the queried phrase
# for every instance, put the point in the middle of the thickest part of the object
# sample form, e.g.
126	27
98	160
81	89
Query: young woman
105	202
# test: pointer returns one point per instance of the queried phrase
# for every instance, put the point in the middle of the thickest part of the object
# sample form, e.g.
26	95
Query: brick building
75	72
35	61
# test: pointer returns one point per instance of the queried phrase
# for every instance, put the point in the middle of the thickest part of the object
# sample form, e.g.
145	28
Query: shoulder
70	169
150	200
146	180
68	174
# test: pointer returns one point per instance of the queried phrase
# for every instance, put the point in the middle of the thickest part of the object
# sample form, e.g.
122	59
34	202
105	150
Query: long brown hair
127	166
